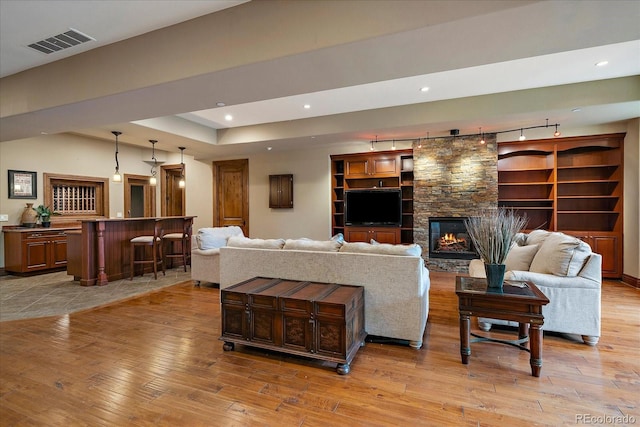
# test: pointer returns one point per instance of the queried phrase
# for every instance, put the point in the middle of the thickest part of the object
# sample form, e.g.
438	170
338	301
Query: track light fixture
456	134
153	180
182	182
116	175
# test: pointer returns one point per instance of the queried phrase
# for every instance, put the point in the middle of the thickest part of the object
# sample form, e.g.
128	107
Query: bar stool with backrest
155	242
184	239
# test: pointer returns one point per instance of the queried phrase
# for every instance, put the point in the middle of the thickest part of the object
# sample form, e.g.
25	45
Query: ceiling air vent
61	41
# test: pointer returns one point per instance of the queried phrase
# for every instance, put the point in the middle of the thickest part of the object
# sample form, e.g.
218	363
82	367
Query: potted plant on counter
493	233
44	215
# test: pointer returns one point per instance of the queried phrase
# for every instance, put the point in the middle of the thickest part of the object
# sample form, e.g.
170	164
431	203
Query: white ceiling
24	22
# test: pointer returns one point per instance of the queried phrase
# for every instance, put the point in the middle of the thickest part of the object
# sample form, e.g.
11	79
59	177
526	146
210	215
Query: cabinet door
36	253
608	247
391	236
58	252
352	234
357	167
280	191
382	166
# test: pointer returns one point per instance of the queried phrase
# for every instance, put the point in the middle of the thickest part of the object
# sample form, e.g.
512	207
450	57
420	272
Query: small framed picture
23	185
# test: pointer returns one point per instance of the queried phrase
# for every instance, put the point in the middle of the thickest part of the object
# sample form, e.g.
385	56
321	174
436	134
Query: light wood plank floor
156	360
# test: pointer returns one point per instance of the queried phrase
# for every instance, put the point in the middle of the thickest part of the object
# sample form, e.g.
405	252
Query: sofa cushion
560	255
245	242
520	257
216	237
382	249
536	237
312	245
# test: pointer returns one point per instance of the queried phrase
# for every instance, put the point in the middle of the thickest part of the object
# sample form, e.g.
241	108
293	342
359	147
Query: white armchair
205	252
567	272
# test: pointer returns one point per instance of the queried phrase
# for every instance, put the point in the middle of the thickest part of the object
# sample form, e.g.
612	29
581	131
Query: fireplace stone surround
453	177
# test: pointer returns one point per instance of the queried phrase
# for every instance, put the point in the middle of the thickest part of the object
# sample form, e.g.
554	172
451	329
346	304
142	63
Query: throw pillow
561	255
338	238
210	238
245	242
537	237
312	245
520	257
382	249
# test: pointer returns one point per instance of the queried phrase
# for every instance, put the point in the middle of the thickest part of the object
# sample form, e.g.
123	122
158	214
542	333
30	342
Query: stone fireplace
454	177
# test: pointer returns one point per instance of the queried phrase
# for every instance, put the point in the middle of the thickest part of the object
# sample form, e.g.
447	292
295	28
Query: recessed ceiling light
307	106
424	89
601	63
228	117
220	104
269	148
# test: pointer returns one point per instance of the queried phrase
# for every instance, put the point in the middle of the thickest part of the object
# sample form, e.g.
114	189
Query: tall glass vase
495	275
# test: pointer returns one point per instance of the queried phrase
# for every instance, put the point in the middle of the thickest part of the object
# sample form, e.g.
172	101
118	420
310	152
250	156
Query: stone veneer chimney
453	177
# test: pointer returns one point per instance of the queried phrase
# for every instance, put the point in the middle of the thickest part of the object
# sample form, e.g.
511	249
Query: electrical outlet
4	218
118	214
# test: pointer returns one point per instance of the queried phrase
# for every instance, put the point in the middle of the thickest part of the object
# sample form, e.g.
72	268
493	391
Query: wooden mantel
99	252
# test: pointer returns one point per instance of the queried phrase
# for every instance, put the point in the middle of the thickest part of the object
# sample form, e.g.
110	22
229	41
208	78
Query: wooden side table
518	301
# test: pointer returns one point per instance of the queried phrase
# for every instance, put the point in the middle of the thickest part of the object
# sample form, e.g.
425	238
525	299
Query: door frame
149	195
166	170
237	163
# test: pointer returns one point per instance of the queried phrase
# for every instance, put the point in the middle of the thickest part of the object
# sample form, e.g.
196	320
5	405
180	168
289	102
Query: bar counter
99	251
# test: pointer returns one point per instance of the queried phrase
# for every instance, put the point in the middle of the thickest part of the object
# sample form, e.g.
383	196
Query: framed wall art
23	184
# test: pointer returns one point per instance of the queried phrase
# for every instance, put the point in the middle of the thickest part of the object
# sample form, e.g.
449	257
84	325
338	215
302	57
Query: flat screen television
375	207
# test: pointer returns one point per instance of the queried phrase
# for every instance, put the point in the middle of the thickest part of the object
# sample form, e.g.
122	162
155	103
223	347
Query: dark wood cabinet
280	191
318	320
573	185
379	234
385	169
35	250
376	165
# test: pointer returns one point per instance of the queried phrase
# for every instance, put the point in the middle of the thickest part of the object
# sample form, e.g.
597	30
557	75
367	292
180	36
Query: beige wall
632	200
311	215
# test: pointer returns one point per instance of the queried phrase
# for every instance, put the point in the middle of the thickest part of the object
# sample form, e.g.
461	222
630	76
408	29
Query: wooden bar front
99	252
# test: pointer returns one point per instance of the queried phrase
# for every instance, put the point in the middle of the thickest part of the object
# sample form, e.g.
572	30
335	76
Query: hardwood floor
156	360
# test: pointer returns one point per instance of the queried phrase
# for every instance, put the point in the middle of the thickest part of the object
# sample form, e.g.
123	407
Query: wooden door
231	194
173	197
139	197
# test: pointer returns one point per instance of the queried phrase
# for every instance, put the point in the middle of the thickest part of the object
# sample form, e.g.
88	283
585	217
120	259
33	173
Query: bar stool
184	239
155	242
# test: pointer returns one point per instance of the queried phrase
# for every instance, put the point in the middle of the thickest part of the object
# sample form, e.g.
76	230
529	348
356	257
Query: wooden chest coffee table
518	301
318	320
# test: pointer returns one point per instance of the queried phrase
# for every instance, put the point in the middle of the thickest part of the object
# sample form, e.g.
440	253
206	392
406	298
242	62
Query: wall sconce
182	182
116	175
153	180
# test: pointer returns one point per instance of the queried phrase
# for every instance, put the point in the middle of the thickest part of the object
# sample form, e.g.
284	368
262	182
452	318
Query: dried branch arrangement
493	231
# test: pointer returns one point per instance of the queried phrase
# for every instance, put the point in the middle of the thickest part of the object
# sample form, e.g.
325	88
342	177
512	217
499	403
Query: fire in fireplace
448	238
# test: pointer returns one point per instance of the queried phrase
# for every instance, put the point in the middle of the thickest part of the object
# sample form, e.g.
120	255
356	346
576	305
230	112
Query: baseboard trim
630	280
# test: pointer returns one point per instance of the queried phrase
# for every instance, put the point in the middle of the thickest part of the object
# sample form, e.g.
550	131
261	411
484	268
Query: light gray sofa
205	252
396	282
566	271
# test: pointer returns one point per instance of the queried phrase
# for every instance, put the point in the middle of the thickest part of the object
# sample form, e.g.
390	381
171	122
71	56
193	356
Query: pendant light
116	175
182	182
153	180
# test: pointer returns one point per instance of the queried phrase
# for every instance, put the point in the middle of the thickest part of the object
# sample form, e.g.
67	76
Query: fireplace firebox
448	238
